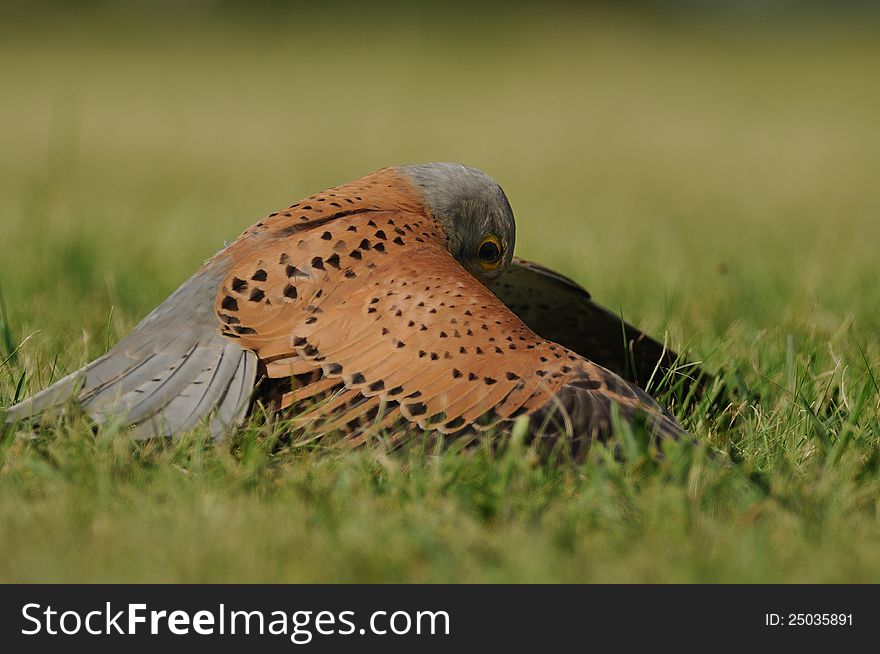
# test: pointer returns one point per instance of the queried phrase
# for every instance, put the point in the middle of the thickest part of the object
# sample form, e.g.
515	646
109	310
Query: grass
715	180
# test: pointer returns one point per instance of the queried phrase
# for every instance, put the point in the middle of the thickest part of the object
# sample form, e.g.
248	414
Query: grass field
715	179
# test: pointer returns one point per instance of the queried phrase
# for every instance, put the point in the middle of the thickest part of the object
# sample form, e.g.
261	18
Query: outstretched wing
561	310
176	368
169	373
372	314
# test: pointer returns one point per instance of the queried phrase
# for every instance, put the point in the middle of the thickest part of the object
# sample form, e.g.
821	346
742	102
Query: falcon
386	305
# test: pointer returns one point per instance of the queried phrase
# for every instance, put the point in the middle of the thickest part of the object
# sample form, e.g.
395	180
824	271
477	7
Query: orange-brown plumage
357	290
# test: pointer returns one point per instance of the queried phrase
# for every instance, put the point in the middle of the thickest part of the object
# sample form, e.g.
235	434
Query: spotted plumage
363	309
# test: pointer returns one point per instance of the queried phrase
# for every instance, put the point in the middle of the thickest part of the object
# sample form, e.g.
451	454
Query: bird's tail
172	371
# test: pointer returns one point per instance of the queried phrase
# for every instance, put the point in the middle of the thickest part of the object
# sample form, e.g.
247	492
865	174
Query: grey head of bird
474	212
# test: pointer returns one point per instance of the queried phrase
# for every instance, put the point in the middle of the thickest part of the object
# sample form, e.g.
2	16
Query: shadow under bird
389	304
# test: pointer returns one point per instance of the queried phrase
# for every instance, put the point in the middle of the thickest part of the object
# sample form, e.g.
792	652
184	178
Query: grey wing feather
171	372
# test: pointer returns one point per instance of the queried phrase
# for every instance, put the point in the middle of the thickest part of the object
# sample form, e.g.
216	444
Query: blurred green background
713	171
701	172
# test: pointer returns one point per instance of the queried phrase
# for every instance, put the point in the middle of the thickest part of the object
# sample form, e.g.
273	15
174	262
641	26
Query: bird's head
473	212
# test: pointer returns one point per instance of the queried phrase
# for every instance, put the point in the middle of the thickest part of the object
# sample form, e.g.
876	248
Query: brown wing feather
396	330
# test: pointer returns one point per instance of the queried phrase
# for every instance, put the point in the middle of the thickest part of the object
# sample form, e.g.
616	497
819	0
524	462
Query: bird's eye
489	252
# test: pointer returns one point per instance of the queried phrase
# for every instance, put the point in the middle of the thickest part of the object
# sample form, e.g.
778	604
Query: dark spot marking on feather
472	377
379	247
318	263
244	330
355	254
456	373
238	285
229	303
398	240
260	276
334	369
511	376
256	295
381	234
417	408
489	381
290	292
333	261
455	423
377	385
299	341
358	378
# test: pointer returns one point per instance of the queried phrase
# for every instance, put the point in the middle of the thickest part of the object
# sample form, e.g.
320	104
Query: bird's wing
372	313
561	310
170	372
176	368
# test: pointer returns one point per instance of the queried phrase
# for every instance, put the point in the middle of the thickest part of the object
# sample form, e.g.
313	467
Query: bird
385	305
